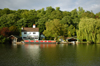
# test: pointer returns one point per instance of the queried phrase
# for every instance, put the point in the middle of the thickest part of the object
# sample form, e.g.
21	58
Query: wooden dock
44	42
74	42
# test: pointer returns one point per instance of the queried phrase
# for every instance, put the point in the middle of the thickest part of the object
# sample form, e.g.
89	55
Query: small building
13	39
71	39
30	33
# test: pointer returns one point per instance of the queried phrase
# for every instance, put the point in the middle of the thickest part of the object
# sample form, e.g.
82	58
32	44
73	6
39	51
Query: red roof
30	29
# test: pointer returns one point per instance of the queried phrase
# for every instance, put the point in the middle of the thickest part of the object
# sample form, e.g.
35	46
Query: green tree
30	17
74	13
66	20
22	22
41	24
8	20
56	14
41	13
66	13
88	14
71	31
89	29
80	11
98	15
2	39
54	29
49	10
75	17
14	30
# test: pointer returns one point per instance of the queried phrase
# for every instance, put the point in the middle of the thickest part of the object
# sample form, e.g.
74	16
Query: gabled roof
69	38
12	36
30	29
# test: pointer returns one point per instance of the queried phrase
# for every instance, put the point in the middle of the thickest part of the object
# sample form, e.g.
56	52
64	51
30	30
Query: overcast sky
65	5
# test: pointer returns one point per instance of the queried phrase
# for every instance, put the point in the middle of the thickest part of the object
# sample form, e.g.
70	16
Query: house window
34	33
24	37
25	32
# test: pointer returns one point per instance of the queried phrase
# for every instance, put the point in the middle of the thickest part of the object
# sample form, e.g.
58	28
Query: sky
65	5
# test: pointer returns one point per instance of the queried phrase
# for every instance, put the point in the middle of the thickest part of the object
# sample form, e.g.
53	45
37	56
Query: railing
39	41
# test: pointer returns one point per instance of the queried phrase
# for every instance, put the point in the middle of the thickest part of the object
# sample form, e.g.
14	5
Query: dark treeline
51	22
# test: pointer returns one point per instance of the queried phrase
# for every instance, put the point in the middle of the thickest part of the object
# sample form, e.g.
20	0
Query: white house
30	33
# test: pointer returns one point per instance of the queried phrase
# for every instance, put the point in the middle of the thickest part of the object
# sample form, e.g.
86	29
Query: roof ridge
31	29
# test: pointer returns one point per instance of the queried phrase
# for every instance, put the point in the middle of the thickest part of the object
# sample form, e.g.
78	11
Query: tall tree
98	15
89	29
8	20
14	30
41	24
54	28
80	11
67	20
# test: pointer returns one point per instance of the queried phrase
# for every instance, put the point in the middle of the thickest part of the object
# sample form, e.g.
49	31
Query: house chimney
22	28
33	25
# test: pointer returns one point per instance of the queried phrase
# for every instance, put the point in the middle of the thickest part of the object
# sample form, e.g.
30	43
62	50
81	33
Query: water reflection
50	55
88	54
32	51
14	46
47	45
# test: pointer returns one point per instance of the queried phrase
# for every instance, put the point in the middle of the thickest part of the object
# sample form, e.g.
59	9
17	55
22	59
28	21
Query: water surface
50	55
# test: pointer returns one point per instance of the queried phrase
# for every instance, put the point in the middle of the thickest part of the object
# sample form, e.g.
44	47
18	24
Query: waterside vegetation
52	23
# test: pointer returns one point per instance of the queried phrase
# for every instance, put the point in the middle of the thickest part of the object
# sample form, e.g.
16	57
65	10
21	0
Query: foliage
14	30
71	31
54	28
88	14
8	20
4	31
80	11
97	15
41	24
3	39
89	29
66	22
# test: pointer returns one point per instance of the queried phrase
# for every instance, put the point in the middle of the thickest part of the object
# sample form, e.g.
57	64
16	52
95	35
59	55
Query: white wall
30	34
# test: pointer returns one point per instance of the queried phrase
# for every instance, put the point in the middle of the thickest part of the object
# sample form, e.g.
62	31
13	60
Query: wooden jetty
73	42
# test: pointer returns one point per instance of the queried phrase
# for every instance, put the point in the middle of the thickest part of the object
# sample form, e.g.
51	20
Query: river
50	55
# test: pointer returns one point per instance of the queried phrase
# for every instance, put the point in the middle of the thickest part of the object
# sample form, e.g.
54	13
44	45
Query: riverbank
49	42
